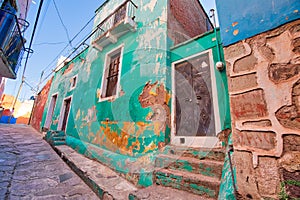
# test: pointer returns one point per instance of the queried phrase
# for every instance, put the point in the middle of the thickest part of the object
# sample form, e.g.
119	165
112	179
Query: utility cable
28	52
45	11
62	23
55	59
75	49
48	43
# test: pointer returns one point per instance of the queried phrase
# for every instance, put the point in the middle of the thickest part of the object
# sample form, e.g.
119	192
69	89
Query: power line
45	11
28	52
62	23
48	43
75	49
59	54
27	5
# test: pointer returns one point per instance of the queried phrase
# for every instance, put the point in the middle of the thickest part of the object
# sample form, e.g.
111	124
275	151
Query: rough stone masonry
264	88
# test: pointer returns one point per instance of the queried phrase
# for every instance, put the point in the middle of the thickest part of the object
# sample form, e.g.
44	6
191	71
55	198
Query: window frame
72	81
105	73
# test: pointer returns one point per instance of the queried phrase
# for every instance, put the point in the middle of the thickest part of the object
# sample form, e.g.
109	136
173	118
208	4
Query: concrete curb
105	183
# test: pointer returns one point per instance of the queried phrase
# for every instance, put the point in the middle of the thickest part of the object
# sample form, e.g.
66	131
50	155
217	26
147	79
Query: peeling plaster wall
124	133
39	106
264	93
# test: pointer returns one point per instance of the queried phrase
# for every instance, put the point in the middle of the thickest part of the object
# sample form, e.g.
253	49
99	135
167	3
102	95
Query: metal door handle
188	99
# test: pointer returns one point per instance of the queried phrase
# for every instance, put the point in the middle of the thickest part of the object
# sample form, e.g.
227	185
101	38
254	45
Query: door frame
62	113
199	141
51	108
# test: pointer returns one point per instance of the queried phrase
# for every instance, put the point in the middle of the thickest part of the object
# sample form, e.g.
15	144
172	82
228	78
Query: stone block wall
264	87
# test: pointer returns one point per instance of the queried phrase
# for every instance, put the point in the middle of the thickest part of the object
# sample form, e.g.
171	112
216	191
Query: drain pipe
230	149
219	65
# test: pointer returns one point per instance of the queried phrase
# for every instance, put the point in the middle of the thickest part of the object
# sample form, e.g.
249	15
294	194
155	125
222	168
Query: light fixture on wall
220	66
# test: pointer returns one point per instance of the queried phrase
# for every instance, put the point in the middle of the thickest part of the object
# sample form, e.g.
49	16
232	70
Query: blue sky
51	38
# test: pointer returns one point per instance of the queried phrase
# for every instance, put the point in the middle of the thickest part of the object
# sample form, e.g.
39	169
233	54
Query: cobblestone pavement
30	169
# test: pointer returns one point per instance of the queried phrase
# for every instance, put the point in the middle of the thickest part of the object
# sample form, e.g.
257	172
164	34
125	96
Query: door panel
67	105
50	111
194	113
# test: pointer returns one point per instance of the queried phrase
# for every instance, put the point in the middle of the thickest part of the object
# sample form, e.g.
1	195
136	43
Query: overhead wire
28	52
59	54
48	43
45	11
75	49
62	23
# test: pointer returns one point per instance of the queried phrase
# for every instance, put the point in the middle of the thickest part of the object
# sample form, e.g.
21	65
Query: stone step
198	153
59	142
56	138
210	168
51	134
157	192
57	133
190	182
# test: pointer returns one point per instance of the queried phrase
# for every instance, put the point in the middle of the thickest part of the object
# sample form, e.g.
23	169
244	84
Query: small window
111	76
73	82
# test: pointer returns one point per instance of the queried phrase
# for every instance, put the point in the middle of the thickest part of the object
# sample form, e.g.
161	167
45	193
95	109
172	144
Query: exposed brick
185	25
291	143
290	161
296	45
245	64
295	29
268	176
235	51
243	82
245	175
282	72
262	123
255	139
289	116
267	53
249	105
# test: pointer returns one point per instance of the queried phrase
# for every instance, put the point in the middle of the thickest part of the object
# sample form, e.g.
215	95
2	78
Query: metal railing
12	43
127	9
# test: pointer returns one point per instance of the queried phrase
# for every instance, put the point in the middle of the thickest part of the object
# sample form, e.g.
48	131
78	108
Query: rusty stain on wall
156	96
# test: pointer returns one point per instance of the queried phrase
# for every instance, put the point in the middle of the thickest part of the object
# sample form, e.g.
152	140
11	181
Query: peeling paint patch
236	32
151	5
156	96
234	24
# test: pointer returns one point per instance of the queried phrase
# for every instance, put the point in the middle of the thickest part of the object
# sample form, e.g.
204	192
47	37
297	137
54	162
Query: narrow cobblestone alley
30	169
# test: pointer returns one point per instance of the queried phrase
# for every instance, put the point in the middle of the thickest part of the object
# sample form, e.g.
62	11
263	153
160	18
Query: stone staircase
56	138
193	170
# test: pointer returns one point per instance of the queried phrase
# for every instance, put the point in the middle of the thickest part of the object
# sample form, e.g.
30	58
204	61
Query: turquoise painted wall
122	127
126	133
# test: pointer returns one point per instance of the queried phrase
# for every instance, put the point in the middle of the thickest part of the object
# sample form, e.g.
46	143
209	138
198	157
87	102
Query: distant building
22	111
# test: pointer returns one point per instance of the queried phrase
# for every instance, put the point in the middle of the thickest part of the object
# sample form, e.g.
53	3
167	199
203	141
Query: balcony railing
119	22
11	43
